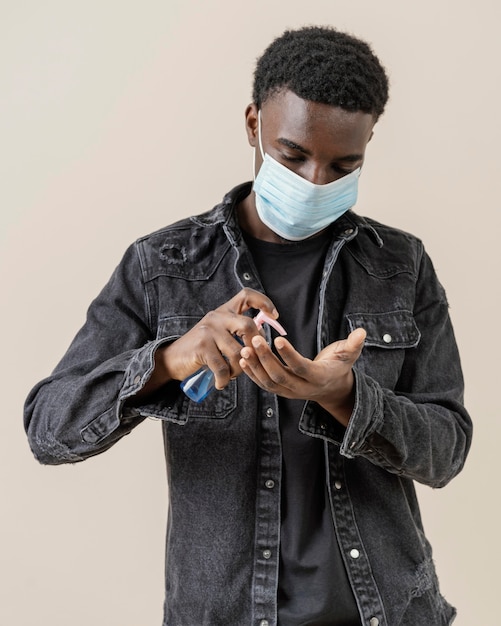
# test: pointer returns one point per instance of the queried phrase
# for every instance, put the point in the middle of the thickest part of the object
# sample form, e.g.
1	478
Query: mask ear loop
259	133
260	140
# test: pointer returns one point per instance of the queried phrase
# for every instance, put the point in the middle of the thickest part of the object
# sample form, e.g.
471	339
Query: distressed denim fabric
224	455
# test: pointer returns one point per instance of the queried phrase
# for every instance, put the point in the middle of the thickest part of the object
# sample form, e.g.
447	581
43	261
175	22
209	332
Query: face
319	142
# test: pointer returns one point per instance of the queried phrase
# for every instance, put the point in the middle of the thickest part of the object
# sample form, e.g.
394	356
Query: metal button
348	231
322	426
267	554
270	484
247	276
338	485
354	553
374	621
269	412
137	379
387	338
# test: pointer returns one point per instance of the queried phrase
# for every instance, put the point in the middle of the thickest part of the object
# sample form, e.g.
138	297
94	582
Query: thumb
349	349
355	340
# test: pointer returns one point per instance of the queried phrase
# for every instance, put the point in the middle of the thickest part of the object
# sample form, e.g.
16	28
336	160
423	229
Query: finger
251	369
250	365
224	357
256	362
220	368
295	361
241	325
230	347
251	299
272	373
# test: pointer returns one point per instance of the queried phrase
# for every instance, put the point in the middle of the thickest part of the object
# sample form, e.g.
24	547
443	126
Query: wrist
341	404
162	371
159	376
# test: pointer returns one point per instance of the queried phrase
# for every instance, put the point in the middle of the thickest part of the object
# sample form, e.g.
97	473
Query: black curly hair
324	65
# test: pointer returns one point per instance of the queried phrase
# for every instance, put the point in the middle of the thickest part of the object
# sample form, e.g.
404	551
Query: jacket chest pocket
218	404
389	335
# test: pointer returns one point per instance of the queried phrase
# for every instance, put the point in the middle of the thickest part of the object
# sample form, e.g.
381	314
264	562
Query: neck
249	221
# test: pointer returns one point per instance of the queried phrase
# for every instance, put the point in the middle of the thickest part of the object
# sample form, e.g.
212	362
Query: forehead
287	115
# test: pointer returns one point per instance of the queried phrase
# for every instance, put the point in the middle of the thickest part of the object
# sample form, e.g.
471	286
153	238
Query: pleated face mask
295	208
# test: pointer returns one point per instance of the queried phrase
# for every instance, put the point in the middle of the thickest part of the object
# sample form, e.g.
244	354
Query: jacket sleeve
80	410
420	429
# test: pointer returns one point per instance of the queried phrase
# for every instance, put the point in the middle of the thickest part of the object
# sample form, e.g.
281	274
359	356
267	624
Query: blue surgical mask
295	208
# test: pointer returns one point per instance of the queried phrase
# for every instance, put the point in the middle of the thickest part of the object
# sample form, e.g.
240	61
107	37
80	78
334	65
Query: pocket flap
392	329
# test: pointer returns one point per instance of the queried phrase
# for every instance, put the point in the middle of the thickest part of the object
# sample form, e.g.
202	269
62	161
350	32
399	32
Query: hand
212	342
327	380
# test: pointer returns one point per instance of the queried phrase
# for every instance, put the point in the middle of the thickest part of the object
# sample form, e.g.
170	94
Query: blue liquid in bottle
199	385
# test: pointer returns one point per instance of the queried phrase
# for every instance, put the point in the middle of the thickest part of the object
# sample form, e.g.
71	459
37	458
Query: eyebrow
295	146
291	144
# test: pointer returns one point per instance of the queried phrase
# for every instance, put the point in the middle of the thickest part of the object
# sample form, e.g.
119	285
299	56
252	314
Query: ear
251	124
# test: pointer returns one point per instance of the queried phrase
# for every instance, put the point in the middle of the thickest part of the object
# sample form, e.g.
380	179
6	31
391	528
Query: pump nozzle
262	318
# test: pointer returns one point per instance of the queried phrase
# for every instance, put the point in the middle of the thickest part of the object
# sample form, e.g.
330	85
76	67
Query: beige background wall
117	117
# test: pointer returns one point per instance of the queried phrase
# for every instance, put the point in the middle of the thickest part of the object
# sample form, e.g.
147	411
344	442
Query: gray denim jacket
224	455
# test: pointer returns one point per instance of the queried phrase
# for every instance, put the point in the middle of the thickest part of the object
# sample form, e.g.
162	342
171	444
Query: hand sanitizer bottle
199	385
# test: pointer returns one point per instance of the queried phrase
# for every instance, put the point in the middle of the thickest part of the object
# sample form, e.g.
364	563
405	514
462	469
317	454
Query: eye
293	159
343	170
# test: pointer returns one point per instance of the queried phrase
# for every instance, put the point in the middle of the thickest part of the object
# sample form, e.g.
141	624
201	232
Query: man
291	485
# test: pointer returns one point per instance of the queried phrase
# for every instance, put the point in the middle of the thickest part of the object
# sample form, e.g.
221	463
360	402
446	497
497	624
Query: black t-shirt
313	586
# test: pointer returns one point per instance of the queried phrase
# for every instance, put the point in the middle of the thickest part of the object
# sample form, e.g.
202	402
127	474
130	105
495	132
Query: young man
291	485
